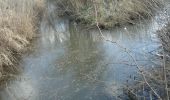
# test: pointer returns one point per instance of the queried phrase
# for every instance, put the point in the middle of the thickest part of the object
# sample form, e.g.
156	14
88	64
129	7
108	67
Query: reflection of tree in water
84	61
83	56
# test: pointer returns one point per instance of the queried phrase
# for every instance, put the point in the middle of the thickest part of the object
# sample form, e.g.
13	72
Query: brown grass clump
110	12
18	26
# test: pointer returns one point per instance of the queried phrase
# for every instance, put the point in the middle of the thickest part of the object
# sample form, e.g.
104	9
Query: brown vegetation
158	77
164	35
110	12
18	25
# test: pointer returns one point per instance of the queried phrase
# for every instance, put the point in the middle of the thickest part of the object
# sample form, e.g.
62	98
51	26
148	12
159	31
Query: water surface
71	62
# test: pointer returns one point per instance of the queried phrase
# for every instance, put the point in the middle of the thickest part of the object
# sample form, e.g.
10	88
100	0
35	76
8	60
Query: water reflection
73	63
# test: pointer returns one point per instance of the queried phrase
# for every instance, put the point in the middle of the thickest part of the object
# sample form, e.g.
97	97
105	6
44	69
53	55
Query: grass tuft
18	25
110	12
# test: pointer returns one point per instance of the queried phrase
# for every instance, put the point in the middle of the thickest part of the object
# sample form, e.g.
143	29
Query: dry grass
110	12
18	25
164	35
158	77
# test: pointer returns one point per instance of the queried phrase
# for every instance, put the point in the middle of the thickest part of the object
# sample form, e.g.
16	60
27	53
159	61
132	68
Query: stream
70	62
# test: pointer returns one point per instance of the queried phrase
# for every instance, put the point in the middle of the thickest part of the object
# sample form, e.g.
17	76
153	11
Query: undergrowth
18	25
110	12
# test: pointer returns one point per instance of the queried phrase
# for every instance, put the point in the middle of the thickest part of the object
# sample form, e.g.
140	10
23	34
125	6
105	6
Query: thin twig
125	49
165	75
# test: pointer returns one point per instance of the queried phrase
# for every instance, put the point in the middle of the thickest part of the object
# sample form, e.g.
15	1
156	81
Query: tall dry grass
110	12
164	35
18	25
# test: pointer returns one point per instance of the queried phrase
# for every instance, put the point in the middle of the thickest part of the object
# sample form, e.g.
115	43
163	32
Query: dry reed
18	25
110	12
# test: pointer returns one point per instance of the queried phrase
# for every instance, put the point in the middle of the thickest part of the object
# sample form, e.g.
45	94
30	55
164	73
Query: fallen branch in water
125	49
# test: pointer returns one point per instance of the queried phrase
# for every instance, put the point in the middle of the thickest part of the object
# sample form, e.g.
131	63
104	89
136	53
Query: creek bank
158	77
110	13
19	25
164	35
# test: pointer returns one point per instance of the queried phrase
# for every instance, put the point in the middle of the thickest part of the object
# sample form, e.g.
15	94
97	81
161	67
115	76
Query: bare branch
125	49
